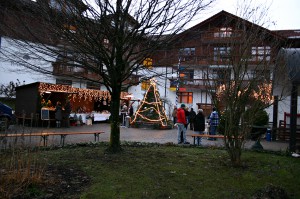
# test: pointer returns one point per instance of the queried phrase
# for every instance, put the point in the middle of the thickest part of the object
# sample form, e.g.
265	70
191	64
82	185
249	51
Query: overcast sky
285	13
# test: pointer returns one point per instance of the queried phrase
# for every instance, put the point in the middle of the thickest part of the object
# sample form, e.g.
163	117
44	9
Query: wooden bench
45	135
206	136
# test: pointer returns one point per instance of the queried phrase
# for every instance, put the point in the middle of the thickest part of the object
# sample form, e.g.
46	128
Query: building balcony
63	69
187	85
199	84
133	80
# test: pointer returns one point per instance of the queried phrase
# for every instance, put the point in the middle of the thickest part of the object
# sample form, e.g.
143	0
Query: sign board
45	114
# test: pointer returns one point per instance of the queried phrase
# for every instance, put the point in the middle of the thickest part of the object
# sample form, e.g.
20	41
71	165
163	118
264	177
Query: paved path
127	134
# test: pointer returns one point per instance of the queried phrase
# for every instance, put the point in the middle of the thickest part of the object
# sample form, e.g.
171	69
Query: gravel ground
127	134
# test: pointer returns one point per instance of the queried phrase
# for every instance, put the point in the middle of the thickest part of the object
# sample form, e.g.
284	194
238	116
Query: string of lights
85	94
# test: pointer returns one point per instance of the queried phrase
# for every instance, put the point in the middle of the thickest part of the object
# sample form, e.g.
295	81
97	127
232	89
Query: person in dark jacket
192	118
199	125
58	114
130	111
67	112
187	116
174	115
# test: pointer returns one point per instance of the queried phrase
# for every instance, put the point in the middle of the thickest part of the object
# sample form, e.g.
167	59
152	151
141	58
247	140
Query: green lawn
143	171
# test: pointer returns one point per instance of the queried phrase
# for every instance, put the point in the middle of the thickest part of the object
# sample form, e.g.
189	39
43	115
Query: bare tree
241	81
8	90
108	38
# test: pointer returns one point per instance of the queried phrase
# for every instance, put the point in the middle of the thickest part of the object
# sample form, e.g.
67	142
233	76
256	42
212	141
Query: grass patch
156	171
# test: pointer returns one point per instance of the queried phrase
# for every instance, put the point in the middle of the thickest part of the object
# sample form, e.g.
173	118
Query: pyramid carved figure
151	113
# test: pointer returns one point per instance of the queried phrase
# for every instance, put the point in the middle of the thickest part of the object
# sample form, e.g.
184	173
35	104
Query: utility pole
178	77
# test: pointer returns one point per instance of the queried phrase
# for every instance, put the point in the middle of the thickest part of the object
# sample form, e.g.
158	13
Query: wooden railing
284	132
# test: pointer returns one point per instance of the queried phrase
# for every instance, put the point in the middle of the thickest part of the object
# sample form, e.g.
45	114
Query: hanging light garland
85	94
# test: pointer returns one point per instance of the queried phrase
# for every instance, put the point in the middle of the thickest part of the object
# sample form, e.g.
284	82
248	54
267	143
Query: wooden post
293	118
275	118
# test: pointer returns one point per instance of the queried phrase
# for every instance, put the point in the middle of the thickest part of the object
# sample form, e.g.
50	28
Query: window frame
223	32
67	82
221	53
93	85
260	53
183	95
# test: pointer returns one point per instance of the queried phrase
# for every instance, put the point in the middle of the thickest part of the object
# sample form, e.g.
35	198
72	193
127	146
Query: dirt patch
271	192
59	182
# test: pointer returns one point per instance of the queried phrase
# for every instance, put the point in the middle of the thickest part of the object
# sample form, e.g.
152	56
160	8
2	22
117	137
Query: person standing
174	115
192	118
199	125
181	123
124	110
68	109
58	114
213	122
187	117
130	111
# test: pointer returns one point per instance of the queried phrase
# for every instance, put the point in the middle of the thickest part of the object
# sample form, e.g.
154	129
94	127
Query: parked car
6	114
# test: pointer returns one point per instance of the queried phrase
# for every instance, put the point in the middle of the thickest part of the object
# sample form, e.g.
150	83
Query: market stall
40	99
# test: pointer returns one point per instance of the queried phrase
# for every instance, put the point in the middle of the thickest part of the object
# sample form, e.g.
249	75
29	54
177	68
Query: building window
64	82
93	85
261	74
106	43
186	74
221	76
148	63
145	84
222	53
56	5
260	53
185	97
70	68
223	32
186	54
187	51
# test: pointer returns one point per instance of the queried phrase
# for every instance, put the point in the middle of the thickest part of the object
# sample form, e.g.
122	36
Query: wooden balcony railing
62	69
201	84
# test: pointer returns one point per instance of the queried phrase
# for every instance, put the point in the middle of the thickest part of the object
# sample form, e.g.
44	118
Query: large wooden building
197	61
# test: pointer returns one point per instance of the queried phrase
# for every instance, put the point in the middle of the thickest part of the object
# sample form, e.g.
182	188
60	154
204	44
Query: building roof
228	18
292	34
293	37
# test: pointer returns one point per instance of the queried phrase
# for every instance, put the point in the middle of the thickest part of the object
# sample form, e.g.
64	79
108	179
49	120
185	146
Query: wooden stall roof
86	94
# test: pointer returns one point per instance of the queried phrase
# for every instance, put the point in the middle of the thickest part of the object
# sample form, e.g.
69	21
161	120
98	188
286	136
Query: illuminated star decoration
151	109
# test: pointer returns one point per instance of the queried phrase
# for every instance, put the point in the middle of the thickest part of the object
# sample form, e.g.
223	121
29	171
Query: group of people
182	117
60	114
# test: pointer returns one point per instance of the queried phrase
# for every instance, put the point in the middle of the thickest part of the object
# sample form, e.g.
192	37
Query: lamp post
178	77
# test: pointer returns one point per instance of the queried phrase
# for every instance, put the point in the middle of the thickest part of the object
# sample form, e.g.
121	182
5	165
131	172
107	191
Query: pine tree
151	112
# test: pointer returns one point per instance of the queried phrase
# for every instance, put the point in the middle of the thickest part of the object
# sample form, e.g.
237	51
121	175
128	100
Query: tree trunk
235	154
114	143
233	145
